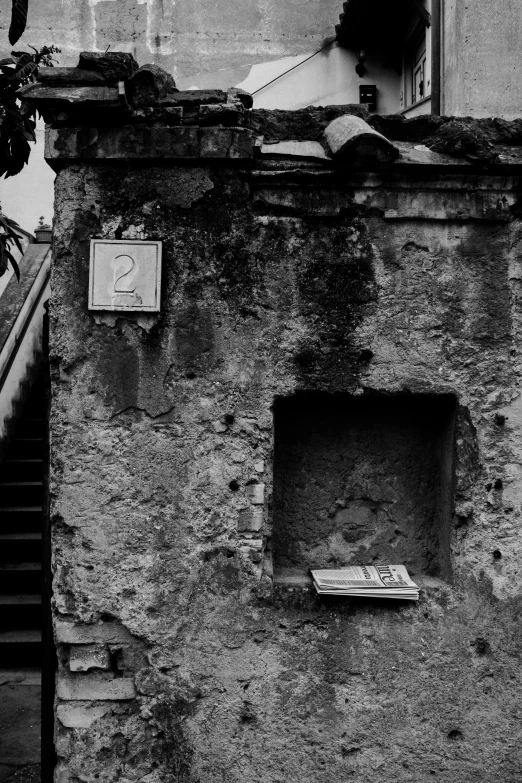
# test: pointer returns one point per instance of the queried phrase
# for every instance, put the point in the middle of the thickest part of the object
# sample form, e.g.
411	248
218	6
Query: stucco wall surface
211	43
180	658
481	66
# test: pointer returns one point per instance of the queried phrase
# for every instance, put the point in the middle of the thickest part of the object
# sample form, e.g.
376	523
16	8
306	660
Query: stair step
28	427
14	492
27	448
20	536
21	519
21	483
21	647
21	635
30	469
21	523
21	546
21	600
20	611
36	404
18	578
20	606
21	509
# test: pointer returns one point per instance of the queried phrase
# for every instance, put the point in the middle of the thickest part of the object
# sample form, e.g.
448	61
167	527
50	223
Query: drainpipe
435	56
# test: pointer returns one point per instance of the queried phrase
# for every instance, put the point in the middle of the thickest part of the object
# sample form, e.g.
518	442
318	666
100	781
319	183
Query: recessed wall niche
361	480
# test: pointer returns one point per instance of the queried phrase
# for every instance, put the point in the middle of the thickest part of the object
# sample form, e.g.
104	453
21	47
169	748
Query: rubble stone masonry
333	377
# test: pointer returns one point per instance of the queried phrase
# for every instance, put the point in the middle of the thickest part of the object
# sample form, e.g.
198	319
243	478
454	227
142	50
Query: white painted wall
326	79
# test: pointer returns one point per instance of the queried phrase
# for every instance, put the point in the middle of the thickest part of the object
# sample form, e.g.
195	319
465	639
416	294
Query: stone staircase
21	525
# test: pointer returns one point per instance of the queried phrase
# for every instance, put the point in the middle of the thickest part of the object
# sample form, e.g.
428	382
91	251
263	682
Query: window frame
416	56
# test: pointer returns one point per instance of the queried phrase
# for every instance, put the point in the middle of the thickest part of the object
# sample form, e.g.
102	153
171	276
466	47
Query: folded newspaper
379	581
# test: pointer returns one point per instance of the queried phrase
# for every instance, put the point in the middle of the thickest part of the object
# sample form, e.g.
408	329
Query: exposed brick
128	142
250	519
81	716
198	97
212	109
256	493
95	687
255	543
217	142
90	656
97	633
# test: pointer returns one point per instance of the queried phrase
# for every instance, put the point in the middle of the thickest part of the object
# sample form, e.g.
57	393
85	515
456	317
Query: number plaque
125	275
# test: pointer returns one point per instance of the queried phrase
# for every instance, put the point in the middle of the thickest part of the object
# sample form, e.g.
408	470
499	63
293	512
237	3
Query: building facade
418	57
332	377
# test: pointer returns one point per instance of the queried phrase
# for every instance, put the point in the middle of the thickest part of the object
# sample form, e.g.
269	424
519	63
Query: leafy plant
18	20
17	129
17	119
8	237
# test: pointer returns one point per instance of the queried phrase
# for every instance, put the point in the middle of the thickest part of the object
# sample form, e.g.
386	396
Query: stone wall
310	291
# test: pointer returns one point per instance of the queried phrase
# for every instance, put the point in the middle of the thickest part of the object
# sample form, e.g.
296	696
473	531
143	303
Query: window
419	72
416	70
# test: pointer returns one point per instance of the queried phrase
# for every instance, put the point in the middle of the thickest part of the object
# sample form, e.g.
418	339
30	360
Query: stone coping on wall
110	108
299	178
440	168
135	142
163	142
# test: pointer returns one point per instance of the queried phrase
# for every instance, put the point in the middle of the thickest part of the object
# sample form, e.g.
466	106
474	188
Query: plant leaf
24	72
18	20
15	266
3	258
19	154
16	240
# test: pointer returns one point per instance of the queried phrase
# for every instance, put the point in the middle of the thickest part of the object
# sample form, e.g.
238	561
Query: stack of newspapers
379	581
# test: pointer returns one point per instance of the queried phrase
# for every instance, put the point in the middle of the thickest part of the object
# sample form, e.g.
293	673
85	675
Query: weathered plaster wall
179	660
481	68
205	44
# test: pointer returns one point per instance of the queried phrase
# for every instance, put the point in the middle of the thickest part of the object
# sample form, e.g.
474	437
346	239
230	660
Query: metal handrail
23	320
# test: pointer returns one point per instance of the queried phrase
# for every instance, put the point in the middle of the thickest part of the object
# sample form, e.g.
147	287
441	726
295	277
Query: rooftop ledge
108	108
200	143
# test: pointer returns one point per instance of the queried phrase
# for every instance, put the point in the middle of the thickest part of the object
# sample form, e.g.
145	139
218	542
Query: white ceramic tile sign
125	275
